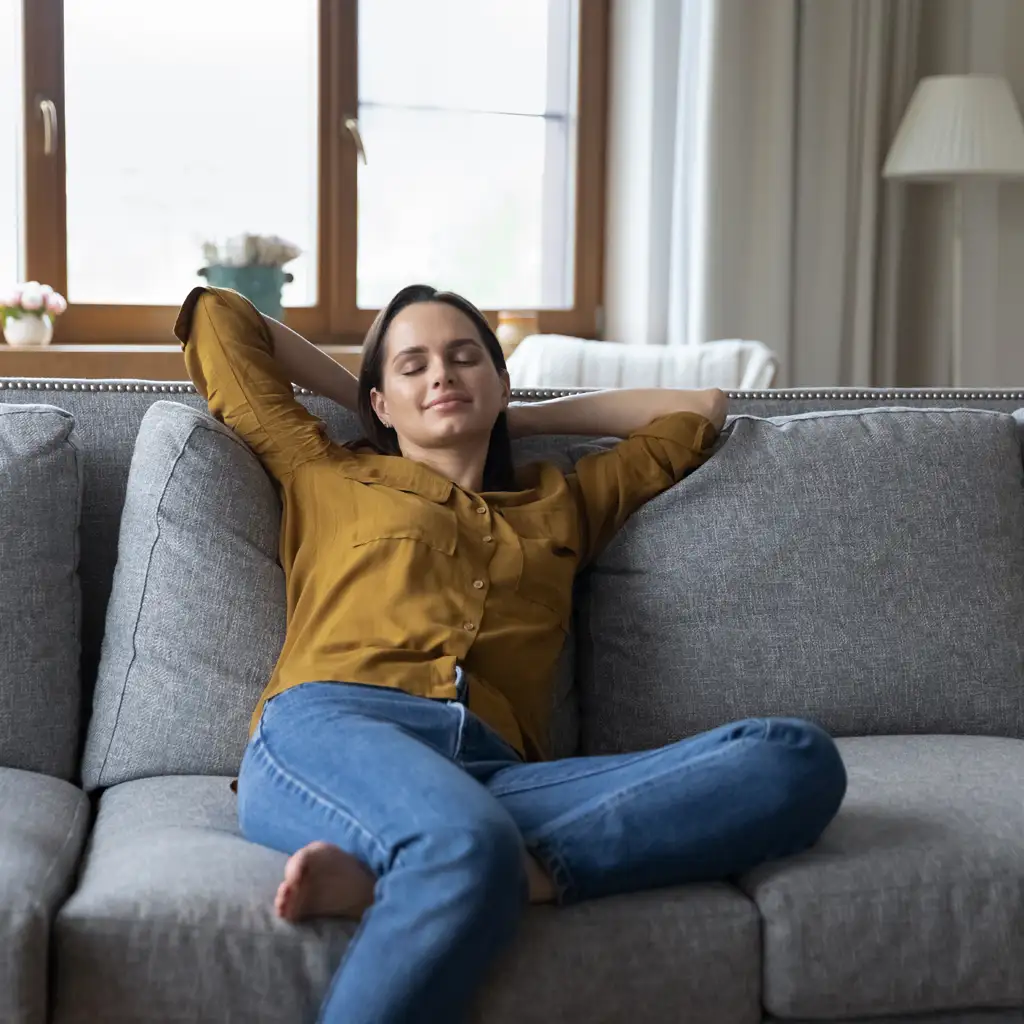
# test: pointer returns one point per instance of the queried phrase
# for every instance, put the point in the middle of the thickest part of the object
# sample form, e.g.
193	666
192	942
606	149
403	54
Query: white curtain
769	219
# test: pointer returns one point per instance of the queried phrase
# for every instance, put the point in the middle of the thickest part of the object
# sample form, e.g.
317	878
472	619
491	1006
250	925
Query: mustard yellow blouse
394	573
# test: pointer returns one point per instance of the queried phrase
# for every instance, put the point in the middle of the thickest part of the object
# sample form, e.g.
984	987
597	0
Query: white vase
28	329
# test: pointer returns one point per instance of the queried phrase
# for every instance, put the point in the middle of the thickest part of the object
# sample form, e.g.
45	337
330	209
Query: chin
454	428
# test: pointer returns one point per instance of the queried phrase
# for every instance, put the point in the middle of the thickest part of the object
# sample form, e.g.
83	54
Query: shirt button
488	539
469	626
482	510
479	584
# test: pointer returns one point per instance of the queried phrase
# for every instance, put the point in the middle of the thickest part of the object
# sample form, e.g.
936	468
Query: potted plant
28	312
252	265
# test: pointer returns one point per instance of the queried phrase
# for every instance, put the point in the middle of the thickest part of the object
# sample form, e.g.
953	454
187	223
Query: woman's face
439	385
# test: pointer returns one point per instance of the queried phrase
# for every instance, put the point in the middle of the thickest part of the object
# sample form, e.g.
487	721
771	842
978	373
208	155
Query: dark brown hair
499	470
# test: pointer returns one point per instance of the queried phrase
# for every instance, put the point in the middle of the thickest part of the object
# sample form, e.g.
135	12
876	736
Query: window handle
352	127
50	126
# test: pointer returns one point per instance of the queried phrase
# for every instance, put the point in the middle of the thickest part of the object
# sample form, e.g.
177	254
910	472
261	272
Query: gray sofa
854	557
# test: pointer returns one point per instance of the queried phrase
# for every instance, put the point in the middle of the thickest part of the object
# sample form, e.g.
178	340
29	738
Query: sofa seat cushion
43	822
861	569
40	601
173	921
913	900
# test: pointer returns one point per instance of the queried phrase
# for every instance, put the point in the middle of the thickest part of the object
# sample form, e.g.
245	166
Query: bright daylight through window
458	143
220	142
10	151
470	147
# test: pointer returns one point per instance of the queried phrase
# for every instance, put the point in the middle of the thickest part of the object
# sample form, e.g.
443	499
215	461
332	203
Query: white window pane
187	121
11	129
467	109
478	54
450	222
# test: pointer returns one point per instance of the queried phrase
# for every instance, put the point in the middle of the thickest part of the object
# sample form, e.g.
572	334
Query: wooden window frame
336	319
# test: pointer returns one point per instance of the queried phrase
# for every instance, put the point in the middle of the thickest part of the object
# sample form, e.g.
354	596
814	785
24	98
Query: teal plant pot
260	285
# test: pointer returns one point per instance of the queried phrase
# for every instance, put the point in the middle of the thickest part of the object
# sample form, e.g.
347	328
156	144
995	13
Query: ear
506	387
380	406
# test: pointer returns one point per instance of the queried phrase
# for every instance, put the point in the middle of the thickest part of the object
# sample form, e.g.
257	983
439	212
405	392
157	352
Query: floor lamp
958	127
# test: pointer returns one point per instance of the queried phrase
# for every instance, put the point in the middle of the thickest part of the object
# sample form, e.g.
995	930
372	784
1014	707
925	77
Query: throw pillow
196	617
861	569
40	603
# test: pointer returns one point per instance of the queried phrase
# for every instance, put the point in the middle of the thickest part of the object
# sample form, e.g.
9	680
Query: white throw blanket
554	360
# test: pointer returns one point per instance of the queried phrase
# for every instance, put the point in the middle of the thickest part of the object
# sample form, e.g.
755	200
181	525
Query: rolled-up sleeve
610	485
229	357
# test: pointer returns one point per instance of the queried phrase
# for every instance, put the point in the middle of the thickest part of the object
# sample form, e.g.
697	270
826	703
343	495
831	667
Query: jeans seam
572	817
457	750
261	748
640	757
497	790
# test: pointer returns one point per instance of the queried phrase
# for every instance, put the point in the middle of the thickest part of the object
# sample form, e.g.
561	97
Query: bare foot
321	880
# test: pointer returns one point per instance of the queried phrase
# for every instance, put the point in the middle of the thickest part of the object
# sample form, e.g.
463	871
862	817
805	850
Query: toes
297	867
282	902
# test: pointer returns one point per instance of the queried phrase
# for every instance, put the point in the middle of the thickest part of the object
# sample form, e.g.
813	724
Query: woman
398	752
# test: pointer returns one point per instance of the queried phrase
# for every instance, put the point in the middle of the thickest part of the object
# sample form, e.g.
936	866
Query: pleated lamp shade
958	126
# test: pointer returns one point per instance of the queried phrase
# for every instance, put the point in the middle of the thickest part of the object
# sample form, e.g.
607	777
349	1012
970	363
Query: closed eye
472	361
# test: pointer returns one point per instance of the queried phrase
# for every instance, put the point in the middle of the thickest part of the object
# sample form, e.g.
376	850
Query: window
10	151
458	142
207	147
488	209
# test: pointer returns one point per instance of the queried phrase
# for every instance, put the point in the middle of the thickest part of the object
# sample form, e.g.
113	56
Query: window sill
129	362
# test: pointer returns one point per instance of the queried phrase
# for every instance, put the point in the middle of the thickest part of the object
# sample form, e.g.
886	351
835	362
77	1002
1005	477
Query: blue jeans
440	809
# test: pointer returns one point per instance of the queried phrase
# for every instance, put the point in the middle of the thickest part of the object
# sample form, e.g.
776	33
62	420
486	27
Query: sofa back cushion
40	602
108	413
196	615
862	569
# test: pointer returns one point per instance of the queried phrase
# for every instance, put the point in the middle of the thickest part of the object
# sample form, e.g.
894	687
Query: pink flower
56	303
32	297
12	299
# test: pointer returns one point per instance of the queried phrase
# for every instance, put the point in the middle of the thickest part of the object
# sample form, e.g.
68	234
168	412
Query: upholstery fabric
40	600
107	422
864	570
913	900
185	656
43	822
173	921
966	1017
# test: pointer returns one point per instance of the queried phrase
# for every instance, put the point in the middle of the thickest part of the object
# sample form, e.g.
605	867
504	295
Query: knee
484	861
806	767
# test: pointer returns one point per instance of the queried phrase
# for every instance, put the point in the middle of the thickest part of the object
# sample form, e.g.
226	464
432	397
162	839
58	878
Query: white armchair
554	360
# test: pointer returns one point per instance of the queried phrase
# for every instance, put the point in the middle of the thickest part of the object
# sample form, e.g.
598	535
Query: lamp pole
957	338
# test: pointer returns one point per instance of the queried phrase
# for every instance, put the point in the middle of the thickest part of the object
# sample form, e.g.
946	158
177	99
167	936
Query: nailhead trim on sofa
783	394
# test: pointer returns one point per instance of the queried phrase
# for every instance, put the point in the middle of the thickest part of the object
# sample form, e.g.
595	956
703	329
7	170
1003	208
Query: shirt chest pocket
548	568
432	526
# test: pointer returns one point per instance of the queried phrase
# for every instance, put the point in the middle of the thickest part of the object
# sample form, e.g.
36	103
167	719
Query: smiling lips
447	402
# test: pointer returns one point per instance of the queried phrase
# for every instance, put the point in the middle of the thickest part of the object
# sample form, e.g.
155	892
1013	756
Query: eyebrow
415	350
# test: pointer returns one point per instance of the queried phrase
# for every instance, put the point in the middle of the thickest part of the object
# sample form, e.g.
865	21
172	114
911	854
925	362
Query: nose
443	375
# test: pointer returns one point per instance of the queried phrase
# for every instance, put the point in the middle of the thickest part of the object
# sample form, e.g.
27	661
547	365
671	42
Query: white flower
32	297
12	298
56	304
